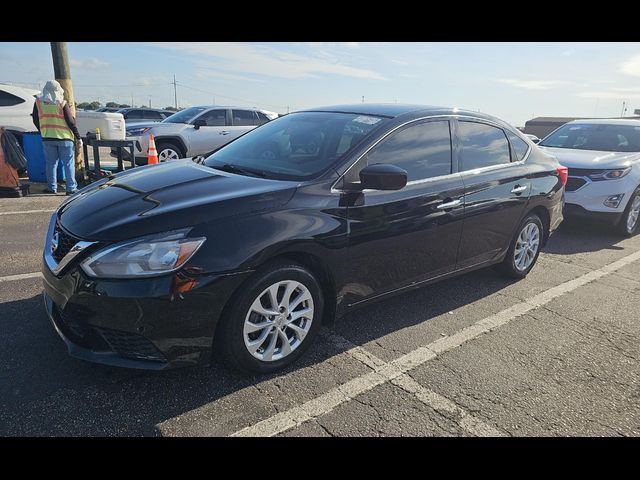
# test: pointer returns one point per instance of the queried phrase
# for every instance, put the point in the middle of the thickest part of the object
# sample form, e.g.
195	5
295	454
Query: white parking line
42	210
437	402
21	276
325	403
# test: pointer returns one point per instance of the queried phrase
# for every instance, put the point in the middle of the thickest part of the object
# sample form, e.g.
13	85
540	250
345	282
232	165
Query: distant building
543	126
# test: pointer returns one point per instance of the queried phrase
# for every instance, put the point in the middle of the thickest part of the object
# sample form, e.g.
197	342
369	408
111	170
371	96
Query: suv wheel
169	151
272	319
630	221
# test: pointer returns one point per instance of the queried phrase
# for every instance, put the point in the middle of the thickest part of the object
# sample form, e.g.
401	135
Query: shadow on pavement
579	236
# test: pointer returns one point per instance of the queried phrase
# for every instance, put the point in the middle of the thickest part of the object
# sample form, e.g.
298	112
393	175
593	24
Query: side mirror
383	176
199	122
535	140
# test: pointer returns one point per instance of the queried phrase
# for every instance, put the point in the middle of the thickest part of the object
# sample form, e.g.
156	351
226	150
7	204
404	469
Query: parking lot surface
554	354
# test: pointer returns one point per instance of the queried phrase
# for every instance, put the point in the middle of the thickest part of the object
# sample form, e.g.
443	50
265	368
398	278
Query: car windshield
297	146
595	136
184	116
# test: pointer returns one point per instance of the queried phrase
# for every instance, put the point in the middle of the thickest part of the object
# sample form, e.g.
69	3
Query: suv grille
574	183
65	243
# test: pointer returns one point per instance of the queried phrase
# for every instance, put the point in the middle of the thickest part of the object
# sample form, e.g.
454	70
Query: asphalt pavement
554	354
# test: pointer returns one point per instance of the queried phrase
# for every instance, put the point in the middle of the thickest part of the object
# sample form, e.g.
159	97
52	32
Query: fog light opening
614	200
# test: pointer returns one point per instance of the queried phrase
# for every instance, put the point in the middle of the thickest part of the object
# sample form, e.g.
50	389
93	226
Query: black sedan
246	253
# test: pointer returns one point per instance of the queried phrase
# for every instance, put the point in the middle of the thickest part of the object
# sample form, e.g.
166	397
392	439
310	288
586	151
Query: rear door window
482	146
244	118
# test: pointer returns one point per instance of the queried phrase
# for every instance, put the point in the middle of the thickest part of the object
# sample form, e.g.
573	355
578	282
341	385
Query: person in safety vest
52	116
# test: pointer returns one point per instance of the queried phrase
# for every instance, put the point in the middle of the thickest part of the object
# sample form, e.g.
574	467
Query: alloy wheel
527	246
634	214
168	154
278	320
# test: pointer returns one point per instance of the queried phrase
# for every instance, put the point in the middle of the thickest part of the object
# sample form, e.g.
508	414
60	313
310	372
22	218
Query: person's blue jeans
60	150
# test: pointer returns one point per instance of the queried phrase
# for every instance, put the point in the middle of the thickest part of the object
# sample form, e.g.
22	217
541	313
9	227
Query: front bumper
152	323
592	195
577	211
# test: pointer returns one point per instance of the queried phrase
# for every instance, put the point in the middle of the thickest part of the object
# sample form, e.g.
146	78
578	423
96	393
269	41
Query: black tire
162	145
622	225
508	265
229	343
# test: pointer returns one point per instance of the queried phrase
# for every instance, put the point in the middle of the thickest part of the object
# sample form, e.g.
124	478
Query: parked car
107	109
16	105
290	226
194	131
144	114
532	137
603	156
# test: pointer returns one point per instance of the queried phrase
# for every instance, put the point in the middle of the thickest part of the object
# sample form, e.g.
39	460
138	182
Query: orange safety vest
52	122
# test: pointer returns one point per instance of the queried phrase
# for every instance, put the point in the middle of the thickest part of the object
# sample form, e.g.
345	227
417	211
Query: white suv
194	131
603	157
16	105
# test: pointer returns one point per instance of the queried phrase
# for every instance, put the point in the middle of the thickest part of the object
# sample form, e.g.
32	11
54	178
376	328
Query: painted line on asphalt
43	210
326	402
21	276
431	399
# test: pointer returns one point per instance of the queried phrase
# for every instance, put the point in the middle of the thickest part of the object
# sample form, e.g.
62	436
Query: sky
513	81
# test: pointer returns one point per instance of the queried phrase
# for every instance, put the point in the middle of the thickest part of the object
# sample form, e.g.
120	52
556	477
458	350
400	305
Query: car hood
575	158
168	196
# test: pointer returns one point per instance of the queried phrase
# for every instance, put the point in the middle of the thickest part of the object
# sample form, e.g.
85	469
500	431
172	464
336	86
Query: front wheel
630	221
524	249
271	320
168	151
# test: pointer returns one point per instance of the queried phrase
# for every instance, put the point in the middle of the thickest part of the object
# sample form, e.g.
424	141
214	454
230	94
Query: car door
214	134
496	191
403	237
241	122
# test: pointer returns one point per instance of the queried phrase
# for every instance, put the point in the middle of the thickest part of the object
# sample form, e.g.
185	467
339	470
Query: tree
89	105
112	105
173	109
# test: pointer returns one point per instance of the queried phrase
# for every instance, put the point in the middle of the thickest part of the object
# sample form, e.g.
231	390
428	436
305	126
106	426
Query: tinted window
297	146
423	150
151	115
482	146
8	100
597	136
262	118
244	118
520	147
214	118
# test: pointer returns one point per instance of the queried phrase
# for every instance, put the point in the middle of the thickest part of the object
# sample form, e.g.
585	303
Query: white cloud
88	63
532	84
609	94
352	44
631	66
399	62
270	61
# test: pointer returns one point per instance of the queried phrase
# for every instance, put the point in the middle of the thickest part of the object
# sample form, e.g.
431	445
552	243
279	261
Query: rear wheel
525	248
271	320
630	221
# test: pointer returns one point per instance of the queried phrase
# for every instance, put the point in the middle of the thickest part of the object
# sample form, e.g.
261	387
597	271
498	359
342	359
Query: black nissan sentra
247	252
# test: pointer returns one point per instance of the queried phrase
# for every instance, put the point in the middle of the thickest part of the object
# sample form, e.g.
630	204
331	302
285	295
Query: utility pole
175	91
62	72
149	101
362	98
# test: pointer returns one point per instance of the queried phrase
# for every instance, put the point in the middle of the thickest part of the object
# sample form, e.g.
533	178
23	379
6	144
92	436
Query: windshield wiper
227	167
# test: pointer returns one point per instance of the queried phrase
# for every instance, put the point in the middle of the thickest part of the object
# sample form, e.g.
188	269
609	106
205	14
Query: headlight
136	132
143	257
610	174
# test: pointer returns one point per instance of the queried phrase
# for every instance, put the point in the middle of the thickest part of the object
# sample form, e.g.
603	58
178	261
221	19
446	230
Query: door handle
451	204
518	189
224	132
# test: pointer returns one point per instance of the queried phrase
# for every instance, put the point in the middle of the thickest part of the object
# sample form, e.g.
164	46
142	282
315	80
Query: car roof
608	121
230	106
394	110
19	91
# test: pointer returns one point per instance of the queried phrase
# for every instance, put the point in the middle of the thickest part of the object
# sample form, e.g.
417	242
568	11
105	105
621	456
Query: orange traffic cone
152	156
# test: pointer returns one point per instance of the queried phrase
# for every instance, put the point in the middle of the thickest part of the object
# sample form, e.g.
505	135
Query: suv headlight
614	174
143	257
136	132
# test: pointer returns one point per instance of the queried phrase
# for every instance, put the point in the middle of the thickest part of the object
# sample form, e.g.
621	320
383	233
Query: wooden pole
62	73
